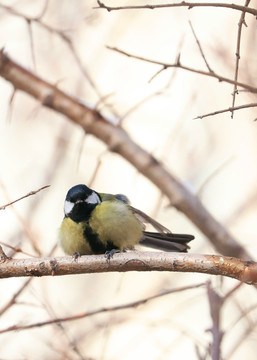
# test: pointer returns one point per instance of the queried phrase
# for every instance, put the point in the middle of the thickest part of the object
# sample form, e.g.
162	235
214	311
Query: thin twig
200	48
14	298
213	175
231	109
187	4
130	305
23	197
178	65
15	249
60	33
243	336
239	32
12	301
215	304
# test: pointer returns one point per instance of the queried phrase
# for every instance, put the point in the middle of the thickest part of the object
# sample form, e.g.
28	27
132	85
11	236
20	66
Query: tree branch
245	271
187	4
178	65
239	33
117	140
130	305
33	192
231	109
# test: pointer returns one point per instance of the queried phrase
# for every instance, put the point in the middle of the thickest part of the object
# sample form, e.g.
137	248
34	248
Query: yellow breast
72	239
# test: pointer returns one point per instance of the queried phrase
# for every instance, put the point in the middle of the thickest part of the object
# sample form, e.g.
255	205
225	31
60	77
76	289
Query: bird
102	223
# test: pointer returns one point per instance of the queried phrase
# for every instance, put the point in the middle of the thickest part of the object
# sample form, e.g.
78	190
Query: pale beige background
39	147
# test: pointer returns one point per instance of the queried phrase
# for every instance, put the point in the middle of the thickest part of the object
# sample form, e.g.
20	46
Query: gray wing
163	239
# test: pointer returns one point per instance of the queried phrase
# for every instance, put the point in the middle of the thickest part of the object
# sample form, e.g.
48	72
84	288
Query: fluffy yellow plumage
96	223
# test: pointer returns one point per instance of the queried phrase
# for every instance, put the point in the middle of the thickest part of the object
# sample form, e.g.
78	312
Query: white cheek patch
93	199
68	206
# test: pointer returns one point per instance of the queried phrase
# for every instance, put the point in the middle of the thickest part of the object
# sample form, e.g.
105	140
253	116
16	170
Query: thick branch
245	271
119	141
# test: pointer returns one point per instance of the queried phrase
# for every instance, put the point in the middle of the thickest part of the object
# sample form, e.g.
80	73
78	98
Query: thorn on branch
3	256
178	63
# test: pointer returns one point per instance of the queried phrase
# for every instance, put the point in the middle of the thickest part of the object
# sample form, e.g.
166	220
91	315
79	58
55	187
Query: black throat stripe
96	245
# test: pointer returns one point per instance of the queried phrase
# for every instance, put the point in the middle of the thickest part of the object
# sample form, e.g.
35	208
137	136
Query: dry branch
178	65
109	309
117	140
33	192
245	271
239	33
187	4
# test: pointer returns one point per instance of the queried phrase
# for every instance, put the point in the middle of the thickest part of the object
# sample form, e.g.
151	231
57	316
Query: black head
80	202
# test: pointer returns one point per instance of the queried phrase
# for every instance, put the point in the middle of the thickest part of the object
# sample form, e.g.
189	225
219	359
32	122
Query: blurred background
65	43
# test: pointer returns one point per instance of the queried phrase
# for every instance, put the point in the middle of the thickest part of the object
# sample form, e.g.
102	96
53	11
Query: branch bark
117	140
245	271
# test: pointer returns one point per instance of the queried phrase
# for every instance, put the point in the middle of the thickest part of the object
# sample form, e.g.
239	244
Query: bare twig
215	304
213	174
187	4
15	249
178	65
23	197
12	301
245	271
14	298
247	331
231	109
130	305
52	30
200	48
118	140
239	32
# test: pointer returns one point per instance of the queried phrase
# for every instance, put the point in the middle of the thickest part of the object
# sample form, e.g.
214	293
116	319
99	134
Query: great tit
98	223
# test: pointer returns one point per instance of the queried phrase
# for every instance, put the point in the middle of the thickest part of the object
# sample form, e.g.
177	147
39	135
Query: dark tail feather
166	241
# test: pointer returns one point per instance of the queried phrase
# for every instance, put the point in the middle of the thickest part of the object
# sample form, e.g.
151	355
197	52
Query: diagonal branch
117	140
33	192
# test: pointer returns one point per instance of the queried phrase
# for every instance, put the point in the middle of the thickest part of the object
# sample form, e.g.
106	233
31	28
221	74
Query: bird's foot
109	254
75	256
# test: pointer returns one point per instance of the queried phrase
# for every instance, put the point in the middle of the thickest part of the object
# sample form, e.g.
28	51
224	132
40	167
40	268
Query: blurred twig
216	303
133	304
38	20
14	298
